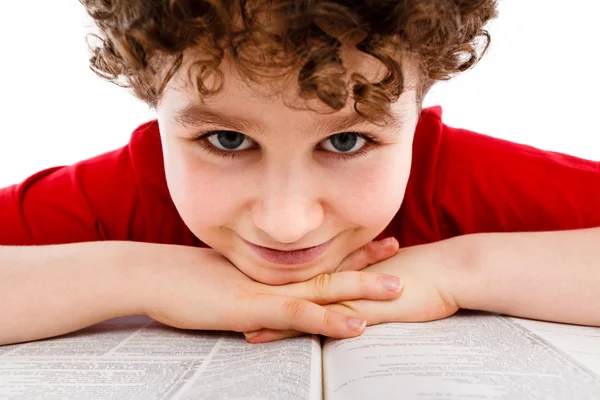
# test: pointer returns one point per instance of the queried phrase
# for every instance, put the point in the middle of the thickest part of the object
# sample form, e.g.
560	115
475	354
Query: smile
292	257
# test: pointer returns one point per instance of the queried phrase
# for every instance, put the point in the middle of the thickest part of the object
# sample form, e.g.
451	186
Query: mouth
291	257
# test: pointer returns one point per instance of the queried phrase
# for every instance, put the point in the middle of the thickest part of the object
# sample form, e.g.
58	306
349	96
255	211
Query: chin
270	276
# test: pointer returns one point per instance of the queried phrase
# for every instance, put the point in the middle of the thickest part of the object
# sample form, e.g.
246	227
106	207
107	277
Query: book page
138	358
287	369
580	342
470	355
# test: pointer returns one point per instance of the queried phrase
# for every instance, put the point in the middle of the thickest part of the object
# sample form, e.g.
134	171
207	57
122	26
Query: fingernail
389	242
356	324
391	282
252	334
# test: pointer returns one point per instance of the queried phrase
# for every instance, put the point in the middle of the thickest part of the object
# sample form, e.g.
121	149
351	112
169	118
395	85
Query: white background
537	85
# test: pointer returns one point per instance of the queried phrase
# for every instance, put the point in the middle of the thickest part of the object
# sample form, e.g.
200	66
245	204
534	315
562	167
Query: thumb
371	253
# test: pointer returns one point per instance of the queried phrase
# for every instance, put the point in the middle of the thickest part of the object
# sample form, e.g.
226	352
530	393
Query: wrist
135	269
157	274
461	258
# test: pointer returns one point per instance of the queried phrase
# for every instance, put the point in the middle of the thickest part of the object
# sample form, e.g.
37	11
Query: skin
549	276
57	289
223	200
289	190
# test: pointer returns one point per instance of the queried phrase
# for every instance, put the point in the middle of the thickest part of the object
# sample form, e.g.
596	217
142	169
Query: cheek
203	194
366	194
372	194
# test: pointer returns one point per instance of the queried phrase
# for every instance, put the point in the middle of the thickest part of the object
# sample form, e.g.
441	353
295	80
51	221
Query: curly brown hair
139	38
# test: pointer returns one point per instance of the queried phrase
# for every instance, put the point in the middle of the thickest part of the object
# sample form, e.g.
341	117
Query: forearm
51	290
553	276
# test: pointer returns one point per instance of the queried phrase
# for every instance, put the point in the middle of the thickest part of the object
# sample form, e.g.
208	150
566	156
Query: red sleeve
120	195
492	185
463	182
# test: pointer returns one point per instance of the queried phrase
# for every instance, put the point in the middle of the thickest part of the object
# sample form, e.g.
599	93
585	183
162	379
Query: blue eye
230	144
347	142
230	141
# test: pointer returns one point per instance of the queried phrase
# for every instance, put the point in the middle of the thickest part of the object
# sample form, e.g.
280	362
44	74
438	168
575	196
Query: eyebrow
195	115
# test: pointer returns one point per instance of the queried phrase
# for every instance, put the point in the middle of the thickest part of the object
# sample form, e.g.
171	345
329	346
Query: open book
468	356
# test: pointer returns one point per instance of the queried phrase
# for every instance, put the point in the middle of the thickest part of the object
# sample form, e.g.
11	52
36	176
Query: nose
289	204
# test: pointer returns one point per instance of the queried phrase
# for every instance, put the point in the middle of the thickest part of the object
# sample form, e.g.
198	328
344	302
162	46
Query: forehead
274	95
195	114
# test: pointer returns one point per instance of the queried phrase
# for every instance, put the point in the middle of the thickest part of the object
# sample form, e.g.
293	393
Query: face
283	193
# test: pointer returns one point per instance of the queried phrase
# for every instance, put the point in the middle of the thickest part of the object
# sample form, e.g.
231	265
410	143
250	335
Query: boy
252	201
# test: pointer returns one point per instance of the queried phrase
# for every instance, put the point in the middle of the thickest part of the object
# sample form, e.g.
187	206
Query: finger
348	285
288	313
415	306
356	309
270	335
380	312
371	253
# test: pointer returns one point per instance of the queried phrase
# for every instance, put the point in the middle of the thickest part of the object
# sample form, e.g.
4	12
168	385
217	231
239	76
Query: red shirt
461	182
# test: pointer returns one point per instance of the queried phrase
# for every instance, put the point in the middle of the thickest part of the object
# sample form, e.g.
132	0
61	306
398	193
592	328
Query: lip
292	257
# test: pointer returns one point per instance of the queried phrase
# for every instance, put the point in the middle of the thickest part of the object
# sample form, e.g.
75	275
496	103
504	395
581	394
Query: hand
427	276
193	288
